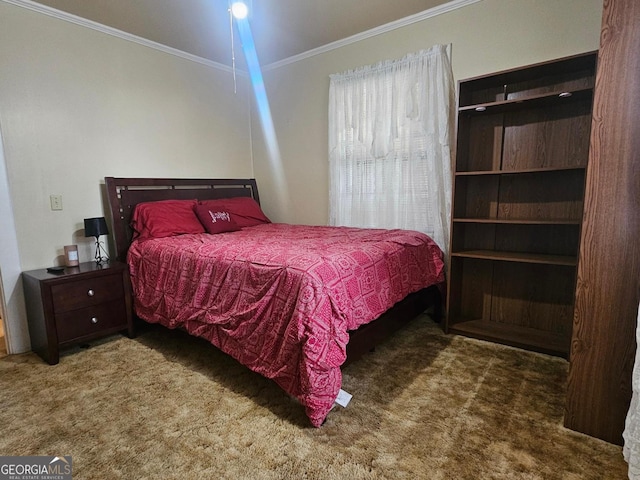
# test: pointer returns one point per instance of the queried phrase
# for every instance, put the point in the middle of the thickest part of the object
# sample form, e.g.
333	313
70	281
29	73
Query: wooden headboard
125	193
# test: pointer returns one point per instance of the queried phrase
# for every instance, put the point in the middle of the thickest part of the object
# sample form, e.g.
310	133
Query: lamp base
98	257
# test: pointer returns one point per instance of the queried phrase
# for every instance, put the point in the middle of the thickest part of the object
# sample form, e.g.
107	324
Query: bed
294	303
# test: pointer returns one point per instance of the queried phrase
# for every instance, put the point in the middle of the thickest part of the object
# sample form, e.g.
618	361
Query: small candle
71	255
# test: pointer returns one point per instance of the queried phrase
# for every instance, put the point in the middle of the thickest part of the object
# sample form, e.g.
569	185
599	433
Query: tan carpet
425	405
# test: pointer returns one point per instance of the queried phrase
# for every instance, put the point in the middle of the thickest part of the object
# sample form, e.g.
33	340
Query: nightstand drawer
84	293
91	320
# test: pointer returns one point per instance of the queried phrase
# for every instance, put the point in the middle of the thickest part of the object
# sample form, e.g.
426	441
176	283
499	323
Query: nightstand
76	305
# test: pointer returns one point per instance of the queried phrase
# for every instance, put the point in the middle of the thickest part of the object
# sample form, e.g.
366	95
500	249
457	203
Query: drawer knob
91	293
94	319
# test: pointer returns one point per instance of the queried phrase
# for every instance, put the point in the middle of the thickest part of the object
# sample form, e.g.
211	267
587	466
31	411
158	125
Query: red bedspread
281	298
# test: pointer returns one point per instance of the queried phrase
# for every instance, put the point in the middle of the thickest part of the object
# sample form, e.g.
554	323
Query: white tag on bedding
343	398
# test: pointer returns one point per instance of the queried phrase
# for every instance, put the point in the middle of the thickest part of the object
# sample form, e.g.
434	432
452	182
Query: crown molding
114	32
403	22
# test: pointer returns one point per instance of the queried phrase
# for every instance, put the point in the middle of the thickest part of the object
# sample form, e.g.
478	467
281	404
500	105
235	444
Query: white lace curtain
390	127
631	432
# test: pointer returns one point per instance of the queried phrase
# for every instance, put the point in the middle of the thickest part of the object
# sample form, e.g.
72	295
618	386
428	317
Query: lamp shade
94	227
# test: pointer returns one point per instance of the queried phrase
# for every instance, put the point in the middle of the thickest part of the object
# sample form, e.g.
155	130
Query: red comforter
281	298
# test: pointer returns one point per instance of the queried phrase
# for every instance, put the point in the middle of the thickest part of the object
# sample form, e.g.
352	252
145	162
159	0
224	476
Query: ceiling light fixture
239	10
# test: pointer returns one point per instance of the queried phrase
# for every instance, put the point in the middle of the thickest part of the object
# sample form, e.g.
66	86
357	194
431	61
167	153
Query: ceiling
281	28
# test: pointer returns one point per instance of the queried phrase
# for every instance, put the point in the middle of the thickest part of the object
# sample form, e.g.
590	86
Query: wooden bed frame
125	193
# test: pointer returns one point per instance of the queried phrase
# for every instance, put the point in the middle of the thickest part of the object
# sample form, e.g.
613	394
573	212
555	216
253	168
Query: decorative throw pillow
245	211
165	218
215	220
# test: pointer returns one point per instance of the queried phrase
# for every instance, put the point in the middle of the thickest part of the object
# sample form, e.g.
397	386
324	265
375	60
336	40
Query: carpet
425	406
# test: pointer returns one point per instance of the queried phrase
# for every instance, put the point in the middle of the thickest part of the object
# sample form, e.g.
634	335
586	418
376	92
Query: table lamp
94	227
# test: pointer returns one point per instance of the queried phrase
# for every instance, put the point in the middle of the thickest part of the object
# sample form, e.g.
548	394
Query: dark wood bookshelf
522	150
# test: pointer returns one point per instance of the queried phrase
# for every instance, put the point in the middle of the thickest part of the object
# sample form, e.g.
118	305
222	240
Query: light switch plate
56	202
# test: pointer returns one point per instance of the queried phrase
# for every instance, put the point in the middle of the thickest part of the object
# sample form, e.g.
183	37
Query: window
390	126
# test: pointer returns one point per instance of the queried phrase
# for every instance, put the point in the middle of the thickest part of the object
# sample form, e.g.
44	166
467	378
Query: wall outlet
56	202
